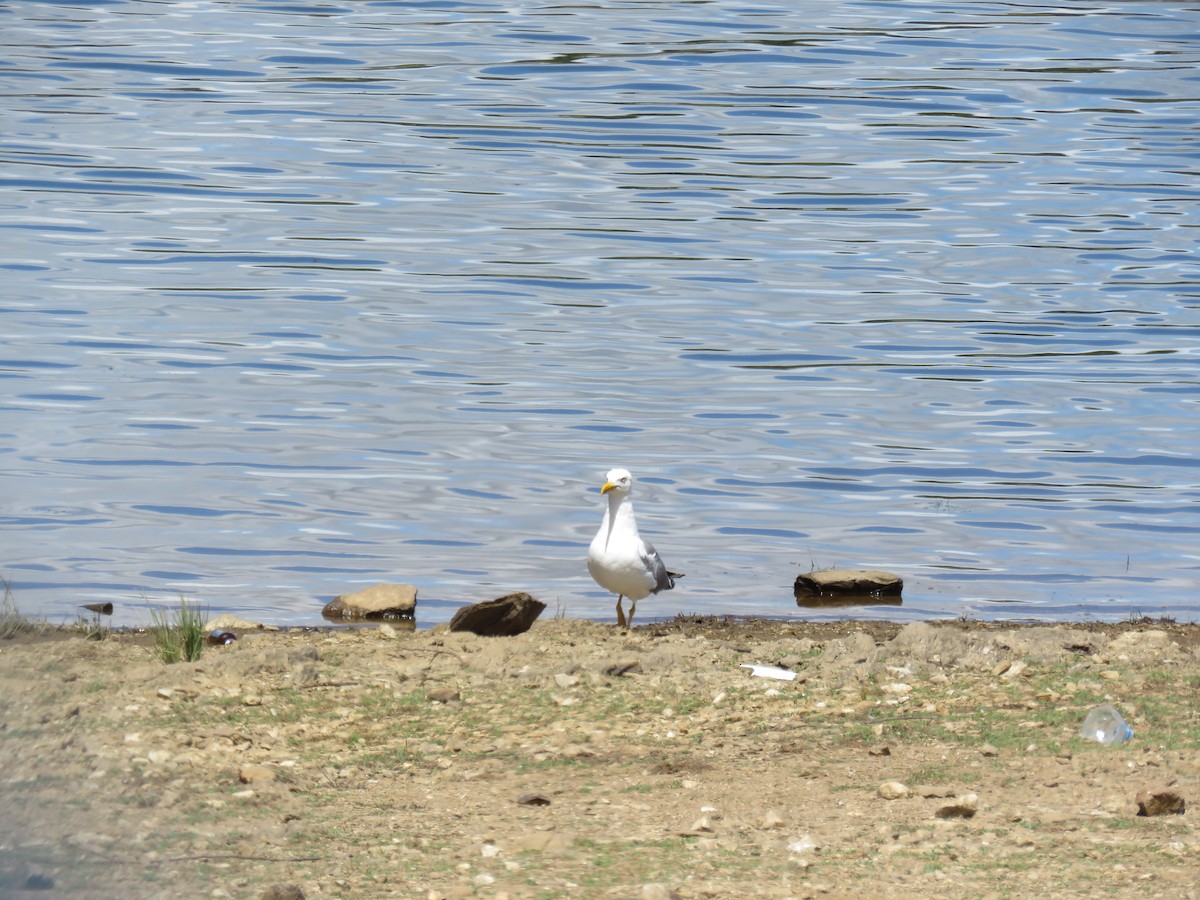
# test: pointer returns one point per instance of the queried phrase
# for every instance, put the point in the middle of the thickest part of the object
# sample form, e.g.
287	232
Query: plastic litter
1105	725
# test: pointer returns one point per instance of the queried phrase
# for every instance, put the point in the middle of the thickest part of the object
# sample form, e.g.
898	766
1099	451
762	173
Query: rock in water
502	617
379	601
848	583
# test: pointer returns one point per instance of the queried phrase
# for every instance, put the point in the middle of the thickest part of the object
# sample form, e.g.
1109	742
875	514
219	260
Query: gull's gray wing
663	579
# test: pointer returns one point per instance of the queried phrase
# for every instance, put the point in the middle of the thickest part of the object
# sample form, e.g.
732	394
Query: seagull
618	559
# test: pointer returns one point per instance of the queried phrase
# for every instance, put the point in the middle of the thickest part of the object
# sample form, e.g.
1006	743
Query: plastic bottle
1105	725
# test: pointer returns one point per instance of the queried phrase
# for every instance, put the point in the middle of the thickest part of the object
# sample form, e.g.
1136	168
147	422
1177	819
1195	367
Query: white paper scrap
770	672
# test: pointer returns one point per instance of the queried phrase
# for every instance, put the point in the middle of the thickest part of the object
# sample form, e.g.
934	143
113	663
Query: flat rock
502	617
379	601
228	622
848	583
1160	802
253	773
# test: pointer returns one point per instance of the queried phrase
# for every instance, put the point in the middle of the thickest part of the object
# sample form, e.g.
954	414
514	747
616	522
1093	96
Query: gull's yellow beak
608	486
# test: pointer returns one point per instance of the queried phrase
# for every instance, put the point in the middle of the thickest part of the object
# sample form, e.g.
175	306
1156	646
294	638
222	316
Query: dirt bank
576	760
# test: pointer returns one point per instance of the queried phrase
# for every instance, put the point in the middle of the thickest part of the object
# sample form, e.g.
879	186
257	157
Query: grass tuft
178	634
12	622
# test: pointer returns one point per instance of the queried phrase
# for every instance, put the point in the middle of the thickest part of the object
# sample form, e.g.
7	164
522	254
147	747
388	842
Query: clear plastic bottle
1105	725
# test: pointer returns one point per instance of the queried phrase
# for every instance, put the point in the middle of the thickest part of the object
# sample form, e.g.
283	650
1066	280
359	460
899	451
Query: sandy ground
580	761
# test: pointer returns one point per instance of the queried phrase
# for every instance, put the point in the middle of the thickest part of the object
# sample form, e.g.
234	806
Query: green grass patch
178	634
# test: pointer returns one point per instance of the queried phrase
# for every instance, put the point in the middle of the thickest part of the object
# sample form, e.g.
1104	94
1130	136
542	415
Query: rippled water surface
299	297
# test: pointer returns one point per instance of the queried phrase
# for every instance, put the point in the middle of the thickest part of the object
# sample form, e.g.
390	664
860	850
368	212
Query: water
301	297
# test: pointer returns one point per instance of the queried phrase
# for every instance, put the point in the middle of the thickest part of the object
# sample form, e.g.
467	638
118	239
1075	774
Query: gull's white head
618	480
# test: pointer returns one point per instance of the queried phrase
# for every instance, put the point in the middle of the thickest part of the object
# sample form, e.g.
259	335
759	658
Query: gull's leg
620	612
632	610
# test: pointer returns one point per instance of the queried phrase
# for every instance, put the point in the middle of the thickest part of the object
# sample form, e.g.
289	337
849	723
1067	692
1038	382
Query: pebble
893	790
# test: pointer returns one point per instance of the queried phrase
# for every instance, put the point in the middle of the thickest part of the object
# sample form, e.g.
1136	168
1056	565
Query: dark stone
1162	802
39	881
502	617
282	892
848	587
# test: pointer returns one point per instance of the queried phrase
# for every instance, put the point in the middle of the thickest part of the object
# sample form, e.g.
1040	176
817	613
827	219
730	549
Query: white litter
769	672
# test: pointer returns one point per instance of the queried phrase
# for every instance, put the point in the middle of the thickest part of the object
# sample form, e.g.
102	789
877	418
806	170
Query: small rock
893	790
503	617
38	880
1015	670
963	807
565	681
703	825
284	891
847	582
930	792
657	892
989	751
379	601
533	800
772	819
253	773
227	622
444	695
1160	802
880	750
